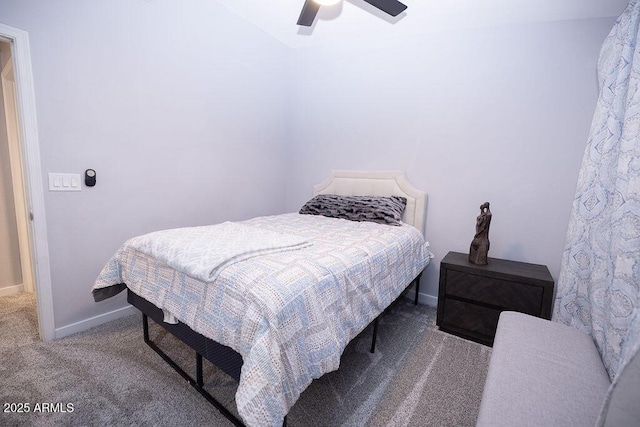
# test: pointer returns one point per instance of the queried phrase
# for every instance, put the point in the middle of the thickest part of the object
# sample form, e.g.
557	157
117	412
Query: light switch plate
64	182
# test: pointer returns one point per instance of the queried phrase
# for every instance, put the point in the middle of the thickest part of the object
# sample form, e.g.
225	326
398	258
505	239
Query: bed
280	317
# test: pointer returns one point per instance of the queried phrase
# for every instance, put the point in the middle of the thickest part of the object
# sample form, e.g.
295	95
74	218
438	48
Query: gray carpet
418	376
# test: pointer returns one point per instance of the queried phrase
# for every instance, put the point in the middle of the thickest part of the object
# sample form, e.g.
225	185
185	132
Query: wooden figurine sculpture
480	244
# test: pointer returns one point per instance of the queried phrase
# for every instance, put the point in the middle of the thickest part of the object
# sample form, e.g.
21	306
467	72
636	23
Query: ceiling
357	21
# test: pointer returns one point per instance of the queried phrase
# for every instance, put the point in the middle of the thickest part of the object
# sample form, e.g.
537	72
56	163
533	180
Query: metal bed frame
223	357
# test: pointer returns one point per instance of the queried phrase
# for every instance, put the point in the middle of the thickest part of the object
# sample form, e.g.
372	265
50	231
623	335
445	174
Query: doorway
20	126
18	275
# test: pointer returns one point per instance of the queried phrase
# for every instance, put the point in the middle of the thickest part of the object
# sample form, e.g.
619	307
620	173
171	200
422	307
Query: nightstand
471	297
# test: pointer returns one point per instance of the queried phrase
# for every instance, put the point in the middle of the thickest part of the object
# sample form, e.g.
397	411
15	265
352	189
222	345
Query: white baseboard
11	290
83	325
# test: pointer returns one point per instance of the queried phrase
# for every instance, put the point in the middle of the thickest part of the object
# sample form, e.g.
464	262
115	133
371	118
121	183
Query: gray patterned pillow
383	210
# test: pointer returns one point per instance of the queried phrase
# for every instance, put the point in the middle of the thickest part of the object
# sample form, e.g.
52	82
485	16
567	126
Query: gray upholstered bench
543	373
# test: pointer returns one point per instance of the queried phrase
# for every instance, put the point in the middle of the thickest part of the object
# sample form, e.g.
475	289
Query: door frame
32	173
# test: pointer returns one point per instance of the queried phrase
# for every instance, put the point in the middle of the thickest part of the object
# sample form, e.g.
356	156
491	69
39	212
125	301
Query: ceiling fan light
327	2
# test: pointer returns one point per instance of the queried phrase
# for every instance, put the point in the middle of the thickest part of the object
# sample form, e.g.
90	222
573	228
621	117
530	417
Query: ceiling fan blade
308	14
392	7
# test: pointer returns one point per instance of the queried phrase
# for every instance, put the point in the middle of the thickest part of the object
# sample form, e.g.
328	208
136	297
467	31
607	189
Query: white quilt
290	314
203	252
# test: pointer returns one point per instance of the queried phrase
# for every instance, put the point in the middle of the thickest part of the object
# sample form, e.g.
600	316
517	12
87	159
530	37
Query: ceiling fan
311	7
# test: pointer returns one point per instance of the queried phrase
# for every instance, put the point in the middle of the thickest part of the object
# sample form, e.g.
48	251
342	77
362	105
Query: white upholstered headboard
378	183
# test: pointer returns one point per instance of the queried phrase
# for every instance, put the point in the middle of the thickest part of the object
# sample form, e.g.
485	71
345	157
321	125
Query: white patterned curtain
598	287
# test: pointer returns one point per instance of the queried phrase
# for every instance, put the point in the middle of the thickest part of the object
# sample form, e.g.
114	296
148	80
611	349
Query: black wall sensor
89	177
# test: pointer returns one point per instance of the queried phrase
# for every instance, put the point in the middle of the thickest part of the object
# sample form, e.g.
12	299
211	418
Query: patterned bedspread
291	314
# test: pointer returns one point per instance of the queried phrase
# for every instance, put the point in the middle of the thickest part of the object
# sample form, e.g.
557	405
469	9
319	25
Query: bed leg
145	328
199	379
375	334
195	383
415	302
284	422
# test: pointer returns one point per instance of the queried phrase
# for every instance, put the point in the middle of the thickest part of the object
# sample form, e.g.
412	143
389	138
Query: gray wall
499	115
178	106
192	116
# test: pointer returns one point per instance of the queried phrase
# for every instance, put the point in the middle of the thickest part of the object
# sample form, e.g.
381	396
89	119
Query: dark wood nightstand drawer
470	320
495	292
